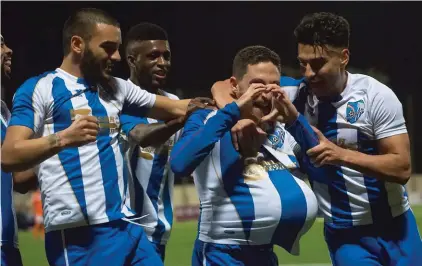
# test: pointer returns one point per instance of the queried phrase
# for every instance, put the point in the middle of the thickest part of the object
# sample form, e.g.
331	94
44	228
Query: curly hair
322	29
252	55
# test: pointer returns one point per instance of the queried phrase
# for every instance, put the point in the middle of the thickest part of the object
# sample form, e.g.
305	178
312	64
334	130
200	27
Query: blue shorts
10	256
241	255
160	249
114	243
393	243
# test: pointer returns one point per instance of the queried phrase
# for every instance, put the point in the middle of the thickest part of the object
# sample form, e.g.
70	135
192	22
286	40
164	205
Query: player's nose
116	56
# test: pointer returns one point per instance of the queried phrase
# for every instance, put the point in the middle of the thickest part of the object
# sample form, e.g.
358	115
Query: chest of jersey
346	122
69	104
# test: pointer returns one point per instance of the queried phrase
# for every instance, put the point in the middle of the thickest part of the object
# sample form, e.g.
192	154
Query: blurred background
204	37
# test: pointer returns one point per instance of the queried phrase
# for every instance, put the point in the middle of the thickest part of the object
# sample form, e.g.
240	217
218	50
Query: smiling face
150	61
264	73
322	67
99	55
6	60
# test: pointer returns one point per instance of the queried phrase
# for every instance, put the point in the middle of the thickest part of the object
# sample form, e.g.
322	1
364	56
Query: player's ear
235	86
130	59
345	56
77	44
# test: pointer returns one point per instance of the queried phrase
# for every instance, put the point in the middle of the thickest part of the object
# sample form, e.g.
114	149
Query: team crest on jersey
354	110
277	138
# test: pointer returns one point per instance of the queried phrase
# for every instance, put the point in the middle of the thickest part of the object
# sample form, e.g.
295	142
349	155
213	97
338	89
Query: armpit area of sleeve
391	132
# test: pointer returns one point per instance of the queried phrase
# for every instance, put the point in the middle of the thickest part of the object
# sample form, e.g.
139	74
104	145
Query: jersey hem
231	242
82	223
331	224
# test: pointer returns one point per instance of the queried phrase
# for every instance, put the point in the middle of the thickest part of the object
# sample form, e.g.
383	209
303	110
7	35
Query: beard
5	75
93	70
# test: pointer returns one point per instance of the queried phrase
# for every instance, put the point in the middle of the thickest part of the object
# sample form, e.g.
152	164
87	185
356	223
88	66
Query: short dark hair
252	55
323	28
82	23
144	31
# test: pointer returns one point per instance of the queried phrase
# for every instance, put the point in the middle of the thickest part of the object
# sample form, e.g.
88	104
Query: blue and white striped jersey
255	201
84	185
151	179
8	225
365	112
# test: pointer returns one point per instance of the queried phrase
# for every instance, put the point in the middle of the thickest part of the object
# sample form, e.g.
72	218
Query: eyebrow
313	58
109	43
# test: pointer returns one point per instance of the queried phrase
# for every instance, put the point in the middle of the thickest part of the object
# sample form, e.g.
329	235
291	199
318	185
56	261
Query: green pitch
179	249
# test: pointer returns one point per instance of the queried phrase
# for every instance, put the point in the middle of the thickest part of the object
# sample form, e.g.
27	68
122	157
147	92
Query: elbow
7	164
10	163
178	167
404	175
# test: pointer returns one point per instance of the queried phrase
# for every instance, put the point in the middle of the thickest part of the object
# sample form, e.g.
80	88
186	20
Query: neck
137	81
341	84
71	66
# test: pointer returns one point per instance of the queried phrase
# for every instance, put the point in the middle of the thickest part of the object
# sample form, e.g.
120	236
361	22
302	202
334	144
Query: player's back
253	204
79	185
365	112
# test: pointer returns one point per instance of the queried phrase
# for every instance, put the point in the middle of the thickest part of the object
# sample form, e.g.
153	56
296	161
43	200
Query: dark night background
204	37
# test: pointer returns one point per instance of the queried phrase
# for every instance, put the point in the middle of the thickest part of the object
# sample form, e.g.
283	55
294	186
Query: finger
89	118
318	133
89	139
90	132
271	116
315	151
91	125
320	158
257	92
205	100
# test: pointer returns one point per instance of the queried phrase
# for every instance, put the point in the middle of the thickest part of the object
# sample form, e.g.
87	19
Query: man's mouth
8	62
161	74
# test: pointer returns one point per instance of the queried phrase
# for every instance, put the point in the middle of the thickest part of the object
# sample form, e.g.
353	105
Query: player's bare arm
20	152
392	164
157	133
167	109
24	181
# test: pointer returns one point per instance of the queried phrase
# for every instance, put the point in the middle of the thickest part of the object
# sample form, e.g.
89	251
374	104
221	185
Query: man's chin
158	84
6	75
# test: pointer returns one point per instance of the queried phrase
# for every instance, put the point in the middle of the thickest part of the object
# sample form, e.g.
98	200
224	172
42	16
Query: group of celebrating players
105	152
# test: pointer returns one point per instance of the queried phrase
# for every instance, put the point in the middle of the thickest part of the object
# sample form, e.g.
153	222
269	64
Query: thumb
318	133
270	117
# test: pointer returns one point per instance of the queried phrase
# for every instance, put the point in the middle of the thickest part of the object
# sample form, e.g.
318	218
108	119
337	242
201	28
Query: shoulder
41	84
41	80
375	90
292	86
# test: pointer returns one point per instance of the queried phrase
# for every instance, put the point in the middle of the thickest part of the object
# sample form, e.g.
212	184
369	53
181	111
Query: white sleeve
387	114
138	96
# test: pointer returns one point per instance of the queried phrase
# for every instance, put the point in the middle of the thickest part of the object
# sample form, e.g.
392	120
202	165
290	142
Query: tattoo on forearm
53	140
